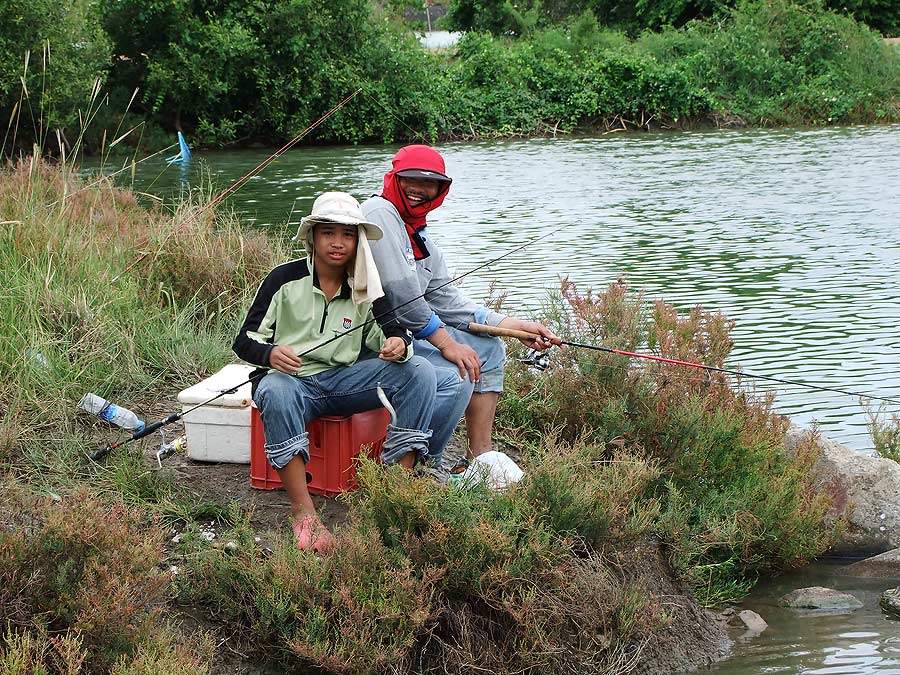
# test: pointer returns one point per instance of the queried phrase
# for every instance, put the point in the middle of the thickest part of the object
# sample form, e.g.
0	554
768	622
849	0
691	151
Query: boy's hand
283	359
394	349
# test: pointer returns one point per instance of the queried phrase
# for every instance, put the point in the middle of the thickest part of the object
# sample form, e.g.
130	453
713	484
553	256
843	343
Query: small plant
713	478
885	432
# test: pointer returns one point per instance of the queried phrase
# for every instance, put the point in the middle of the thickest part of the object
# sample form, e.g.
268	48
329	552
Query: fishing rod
243	179
524	335
174	417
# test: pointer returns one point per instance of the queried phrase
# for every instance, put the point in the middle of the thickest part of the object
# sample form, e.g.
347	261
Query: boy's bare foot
310	533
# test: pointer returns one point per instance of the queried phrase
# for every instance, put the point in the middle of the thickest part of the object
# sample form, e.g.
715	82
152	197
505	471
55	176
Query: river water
794	234
863	642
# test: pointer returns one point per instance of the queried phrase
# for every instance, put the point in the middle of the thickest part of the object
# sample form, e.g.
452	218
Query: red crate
334	442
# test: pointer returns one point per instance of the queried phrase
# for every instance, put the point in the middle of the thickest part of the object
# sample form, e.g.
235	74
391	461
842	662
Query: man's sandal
460	466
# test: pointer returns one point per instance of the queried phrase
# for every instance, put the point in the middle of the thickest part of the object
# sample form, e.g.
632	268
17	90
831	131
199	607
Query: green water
863	642
793	234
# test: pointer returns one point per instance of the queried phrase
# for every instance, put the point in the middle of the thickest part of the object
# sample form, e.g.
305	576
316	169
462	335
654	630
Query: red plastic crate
334	442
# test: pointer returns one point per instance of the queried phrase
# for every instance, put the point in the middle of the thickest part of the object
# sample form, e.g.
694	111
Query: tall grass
69	326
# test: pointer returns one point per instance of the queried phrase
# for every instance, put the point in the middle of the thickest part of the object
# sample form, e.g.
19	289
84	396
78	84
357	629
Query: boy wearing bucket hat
411	264
303	303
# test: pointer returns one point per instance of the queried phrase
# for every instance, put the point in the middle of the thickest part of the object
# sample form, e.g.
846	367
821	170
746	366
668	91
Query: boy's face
334	244
419	190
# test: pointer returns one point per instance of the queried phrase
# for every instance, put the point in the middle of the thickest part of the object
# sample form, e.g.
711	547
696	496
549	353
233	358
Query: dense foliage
51	54
264	71
522	16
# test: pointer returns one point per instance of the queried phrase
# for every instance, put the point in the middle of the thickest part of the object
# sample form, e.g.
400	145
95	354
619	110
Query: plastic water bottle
117	415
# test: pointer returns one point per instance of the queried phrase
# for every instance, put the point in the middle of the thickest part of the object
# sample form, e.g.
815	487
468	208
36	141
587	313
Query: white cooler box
220	431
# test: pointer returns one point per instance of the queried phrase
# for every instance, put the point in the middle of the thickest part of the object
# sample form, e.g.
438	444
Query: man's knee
492	351
278	391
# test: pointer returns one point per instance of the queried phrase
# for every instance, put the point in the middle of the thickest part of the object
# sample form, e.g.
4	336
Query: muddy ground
695	638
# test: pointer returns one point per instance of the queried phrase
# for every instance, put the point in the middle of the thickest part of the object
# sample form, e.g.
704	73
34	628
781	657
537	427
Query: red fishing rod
243	179
524	335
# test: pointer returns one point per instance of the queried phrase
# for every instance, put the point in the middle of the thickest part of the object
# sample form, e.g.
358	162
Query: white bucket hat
336	207
339	207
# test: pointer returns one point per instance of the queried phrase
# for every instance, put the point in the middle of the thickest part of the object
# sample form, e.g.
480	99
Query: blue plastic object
184	153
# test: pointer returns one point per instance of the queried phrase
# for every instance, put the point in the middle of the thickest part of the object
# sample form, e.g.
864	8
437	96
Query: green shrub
778	62
428	576
79	565
731	503
885	432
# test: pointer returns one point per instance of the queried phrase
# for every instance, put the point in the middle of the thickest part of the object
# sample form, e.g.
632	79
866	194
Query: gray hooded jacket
403	278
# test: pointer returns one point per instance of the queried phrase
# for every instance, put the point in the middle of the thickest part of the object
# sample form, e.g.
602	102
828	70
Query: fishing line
416	134
240	182
174	417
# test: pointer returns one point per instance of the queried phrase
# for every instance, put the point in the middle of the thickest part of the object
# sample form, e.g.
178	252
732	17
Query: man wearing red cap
410	263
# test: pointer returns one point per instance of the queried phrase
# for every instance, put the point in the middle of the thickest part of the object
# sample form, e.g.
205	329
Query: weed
713	478
885	434
83	565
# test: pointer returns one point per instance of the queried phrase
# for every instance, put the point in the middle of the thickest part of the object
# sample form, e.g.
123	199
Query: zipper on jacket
324	316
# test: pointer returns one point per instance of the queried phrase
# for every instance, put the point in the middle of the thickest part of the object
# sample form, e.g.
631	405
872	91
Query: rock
750	620
817	597
890	602
884	566
867	486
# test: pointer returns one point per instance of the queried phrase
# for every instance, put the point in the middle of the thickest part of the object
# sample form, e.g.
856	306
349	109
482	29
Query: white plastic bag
493	468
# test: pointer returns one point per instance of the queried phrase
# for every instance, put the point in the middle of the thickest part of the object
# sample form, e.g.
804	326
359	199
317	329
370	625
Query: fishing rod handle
506	332
100	453
146	431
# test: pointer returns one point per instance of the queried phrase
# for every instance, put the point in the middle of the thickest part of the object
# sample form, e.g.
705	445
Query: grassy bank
630	468
241	73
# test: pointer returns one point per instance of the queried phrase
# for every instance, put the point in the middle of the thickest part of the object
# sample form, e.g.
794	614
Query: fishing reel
170	448
540	361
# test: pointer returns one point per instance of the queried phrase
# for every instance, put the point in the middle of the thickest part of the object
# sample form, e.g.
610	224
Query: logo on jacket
347	323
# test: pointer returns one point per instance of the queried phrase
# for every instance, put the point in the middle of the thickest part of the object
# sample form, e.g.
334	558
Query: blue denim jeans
287	403
453	392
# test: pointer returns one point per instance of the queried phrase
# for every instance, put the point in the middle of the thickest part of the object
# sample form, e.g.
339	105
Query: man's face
334	244
419	190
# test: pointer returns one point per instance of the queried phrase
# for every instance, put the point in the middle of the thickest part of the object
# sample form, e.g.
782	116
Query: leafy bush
448	576
885	432
732	504
52	52
778	62
79	565
642	15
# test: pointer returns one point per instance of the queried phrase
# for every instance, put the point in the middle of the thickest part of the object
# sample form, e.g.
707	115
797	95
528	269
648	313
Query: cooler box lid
223	380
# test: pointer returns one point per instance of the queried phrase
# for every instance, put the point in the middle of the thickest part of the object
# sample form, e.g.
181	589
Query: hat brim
424	173
373	231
